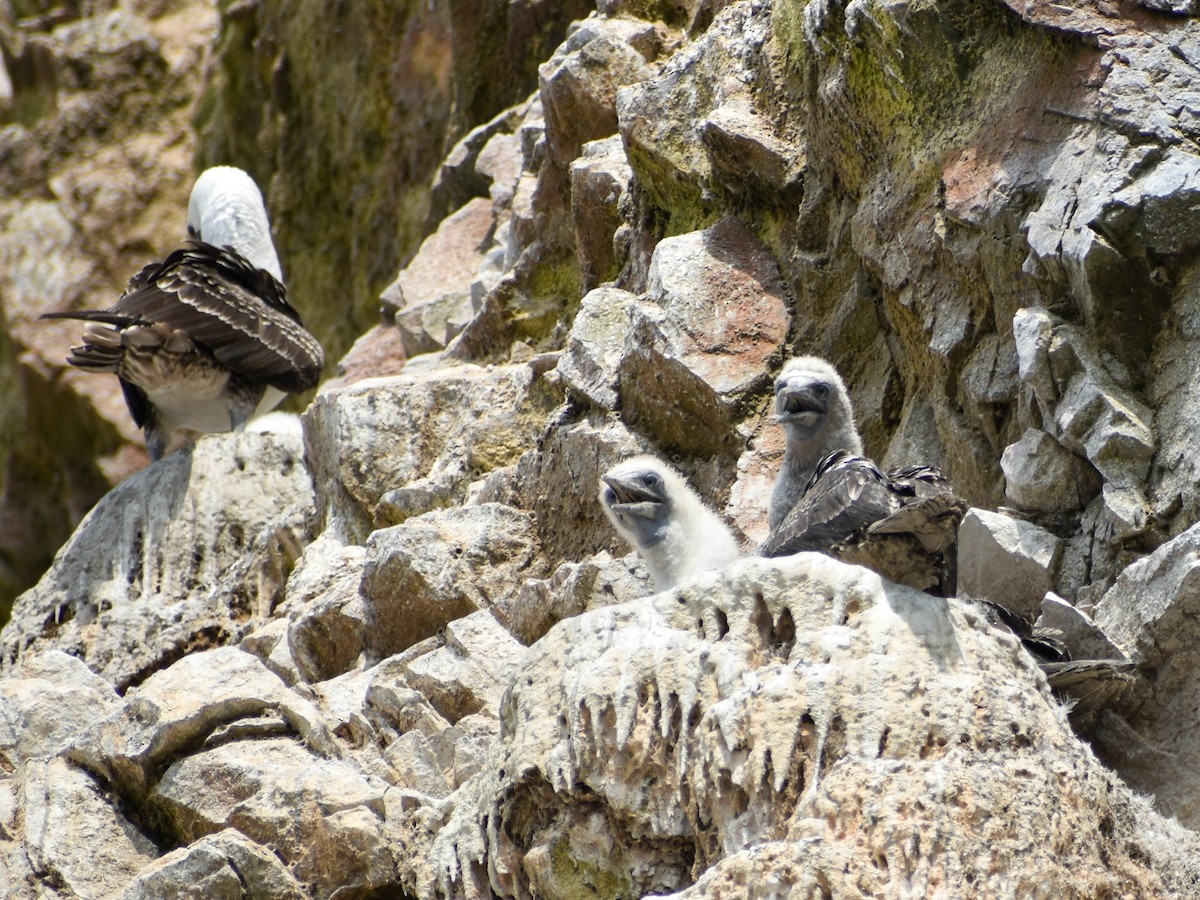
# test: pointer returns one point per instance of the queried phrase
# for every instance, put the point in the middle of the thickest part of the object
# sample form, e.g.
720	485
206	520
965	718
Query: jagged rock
1077	631
590	364
1083	400
73	832
378	353
662	120
757	469
222	866
1112	430
743	691
391	706
431	299
326	634
600	180
270	645
1126	511
224	692
1033	332
571	590
321	816
747	154
191	553
1008	561
1148	613
560	485
721	288
578	84
715	313
45	702
371	437
442	566
469	674
1041	474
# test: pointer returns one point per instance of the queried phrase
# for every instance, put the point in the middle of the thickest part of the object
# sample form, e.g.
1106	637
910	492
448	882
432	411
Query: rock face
404	654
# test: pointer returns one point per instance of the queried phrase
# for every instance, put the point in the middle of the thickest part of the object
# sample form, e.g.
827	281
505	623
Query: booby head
226	209
809	394
636	497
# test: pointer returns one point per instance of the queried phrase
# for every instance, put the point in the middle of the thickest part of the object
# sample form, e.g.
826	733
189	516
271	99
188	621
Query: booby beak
630	494
803	404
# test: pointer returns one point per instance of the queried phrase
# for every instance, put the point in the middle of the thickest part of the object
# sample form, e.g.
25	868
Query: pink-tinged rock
378	353
432	295
722	289
750	496
716	314
579	83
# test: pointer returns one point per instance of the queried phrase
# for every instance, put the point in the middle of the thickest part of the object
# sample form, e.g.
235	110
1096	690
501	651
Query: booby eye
821	390
192	232
651	480
780	385
610	496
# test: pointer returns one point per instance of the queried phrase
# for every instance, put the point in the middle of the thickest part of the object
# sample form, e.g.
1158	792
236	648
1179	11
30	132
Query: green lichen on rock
900	84
577	879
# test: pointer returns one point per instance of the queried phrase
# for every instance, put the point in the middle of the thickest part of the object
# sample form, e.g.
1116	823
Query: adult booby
205	339
902	523
656	510
813	407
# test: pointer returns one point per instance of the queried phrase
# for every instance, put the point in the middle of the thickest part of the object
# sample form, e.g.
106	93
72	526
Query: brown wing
845	495
933	520
921	481
236	310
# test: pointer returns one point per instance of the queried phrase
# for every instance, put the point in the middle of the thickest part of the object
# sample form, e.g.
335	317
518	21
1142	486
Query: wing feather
846	494
240	313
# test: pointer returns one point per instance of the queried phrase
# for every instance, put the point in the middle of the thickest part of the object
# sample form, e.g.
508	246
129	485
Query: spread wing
236	310
845	495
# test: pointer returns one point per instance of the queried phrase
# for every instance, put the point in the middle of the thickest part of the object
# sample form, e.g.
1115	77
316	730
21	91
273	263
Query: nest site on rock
569	583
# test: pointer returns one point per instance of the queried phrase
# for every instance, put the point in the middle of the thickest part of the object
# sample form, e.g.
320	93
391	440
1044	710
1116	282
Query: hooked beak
629	496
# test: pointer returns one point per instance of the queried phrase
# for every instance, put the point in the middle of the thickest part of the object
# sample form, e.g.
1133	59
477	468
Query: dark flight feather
236	311
902	523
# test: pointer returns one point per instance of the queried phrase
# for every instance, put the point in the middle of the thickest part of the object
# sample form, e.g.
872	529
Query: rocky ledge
397	651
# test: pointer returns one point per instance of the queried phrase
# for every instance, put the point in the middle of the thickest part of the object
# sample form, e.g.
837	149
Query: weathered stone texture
408	656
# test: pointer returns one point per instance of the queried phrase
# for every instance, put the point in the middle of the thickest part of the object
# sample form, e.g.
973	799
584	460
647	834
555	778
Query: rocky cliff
402	653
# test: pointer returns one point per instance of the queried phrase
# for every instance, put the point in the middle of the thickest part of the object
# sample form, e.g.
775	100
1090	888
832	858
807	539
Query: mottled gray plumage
902	524
813	407
656	510
205	339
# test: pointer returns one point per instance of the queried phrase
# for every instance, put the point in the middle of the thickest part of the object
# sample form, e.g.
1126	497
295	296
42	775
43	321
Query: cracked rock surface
404	654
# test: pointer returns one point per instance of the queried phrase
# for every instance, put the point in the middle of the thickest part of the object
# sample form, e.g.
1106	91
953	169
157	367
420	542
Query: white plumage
658	512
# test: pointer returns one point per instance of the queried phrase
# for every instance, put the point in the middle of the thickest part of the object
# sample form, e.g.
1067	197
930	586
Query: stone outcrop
404	654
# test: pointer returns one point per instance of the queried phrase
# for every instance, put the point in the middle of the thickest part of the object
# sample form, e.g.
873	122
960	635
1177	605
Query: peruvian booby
813	407
205	339
902	523
658	512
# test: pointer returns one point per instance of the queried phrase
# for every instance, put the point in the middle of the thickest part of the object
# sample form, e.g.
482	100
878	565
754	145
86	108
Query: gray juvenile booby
902	523
813	407
205	339
657	511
